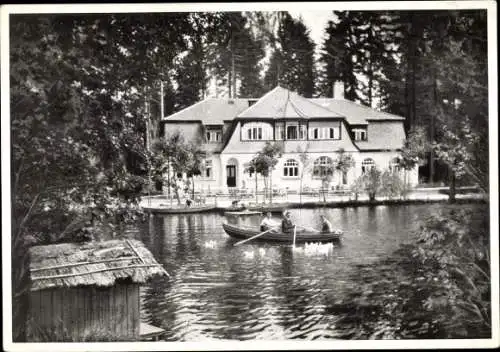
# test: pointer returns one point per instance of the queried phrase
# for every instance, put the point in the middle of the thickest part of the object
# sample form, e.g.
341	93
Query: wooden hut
88	291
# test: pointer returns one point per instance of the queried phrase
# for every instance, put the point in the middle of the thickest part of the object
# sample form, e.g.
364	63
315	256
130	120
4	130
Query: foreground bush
438	287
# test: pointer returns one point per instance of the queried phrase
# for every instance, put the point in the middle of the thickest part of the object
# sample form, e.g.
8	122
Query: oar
294	235
251	238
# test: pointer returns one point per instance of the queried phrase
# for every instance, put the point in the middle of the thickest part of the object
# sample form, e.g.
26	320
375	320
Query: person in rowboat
287	224
268	223
326	225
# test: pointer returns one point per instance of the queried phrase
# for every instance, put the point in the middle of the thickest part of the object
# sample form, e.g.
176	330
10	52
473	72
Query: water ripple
262	291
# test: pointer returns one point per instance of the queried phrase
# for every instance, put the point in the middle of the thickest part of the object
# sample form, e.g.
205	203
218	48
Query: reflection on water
260	290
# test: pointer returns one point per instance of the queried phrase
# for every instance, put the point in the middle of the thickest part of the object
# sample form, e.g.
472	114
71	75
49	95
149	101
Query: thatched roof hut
80	288
91	263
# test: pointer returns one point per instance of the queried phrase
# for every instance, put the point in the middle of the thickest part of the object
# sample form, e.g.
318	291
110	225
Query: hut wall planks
88	313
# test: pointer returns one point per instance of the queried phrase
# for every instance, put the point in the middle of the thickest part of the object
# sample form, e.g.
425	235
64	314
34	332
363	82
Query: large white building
234	130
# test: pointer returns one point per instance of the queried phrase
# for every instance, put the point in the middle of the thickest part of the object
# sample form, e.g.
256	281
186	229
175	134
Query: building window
254	133
291	168
279	131
394	165
295	132
325	133
302	131
334	133
316	133
360	134
214	136
291	132
257	131
323	166
208	168
367	165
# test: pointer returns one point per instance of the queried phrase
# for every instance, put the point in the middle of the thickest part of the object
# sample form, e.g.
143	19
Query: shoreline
279	206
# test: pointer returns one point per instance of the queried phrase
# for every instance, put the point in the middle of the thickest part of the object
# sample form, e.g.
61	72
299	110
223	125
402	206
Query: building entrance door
231	175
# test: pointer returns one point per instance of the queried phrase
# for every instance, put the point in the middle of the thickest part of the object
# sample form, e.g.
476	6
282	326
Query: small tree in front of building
391	184
372	182
267	159
413	152
357	187
178	157
195	164
457	150
258	165
323	169
305	161
343	164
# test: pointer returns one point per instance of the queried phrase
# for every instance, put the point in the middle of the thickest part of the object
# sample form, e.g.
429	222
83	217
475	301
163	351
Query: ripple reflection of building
295	290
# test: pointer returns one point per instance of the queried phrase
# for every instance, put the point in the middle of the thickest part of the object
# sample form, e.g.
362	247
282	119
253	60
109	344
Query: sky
316	22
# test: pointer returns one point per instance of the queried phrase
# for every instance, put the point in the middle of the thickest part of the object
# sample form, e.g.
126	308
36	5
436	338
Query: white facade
322	126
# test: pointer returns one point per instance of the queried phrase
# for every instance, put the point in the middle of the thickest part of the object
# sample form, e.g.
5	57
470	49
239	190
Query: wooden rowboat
179	210
241	232
242	213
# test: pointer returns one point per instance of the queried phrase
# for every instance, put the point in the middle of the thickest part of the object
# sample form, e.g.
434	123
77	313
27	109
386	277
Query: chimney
338	90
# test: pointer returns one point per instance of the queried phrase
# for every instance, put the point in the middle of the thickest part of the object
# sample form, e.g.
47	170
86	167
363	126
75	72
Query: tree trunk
271	186
256	188
404	183
168	177
265	189
192	192
300	189
452	190
176	188
371	195
432	127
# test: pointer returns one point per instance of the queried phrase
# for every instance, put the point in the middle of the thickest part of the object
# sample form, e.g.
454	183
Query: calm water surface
259	290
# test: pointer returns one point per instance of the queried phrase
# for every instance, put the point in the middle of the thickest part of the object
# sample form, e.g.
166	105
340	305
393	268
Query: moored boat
243	213
243	232
179	210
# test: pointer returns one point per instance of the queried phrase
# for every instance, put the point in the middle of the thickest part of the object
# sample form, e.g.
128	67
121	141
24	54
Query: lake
259	290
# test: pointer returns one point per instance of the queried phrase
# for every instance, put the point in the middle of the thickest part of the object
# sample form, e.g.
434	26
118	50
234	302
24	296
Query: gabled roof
356	114
211	111
280	103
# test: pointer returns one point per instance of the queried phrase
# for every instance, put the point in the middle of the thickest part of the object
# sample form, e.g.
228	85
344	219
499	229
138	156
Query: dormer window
296	131
360	134
257	131
213	136
324	132
279	131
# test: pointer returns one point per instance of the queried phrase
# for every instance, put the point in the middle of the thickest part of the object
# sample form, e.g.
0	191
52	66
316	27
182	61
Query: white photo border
218	345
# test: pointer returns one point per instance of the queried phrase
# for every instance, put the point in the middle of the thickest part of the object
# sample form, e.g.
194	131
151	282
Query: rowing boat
179	210
242	232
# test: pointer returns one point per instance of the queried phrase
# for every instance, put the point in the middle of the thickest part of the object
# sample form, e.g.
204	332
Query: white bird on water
315	248
248	254
210	244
